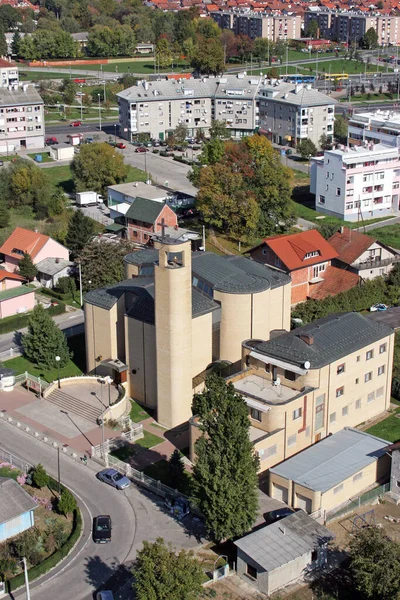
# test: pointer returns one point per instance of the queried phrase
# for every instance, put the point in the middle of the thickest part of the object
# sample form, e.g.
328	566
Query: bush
66	286
55	294
66	503
19	321
40	477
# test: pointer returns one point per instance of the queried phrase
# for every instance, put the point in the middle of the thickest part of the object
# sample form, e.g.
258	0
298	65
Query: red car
141	149
121	146
51	140
76	124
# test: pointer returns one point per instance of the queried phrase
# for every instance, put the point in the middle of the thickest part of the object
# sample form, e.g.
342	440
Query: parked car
88	140
141	149
277	515
156	143
105	595
114	478
102	529
50	141
121	145
76	124
378	308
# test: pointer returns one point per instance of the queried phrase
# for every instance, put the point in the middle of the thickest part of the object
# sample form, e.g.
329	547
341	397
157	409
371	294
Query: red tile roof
293	248
350	244
6	275
24	240
335	281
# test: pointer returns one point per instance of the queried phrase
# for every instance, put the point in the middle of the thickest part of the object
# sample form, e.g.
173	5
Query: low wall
64	63
67	381
118	409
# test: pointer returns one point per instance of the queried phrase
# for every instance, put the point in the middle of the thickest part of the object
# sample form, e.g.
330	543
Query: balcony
375	263
255	387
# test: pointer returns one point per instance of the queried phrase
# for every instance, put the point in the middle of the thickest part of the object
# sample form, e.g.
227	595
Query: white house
121	196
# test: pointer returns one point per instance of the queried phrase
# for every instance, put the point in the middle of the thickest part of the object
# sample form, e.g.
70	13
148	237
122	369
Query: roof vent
308	338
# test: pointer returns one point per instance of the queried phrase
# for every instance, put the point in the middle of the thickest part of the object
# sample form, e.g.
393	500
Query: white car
378	308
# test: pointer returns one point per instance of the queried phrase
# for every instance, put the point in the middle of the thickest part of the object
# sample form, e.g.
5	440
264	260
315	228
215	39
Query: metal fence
17	351
103	449
369	497
14	461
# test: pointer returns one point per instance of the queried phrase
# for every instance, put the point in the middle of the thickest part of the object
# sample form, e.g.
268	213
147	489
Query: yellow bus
336	76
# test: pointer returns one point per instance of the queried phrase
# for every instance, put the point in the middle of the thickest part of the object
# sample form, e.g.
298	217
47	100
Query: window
358	476
379	392
381	370
358	358
297	413
270	451
369	355
292	440
382	348
338	191
251	571
371	397
321	199
340	392
368	376
340	369
357	380
319	411
290	375
332	418
345	411
338	489
255	414
358	404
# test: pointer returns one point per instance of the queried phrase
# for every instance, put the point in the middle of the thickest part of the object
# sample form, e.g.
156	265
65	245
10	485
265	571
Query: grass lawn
45	156
160	472
389	429
135	174
340	65
9	158
20	364
134	66
148	441
52	114
369	97
305	212
389	235
40	75
138	413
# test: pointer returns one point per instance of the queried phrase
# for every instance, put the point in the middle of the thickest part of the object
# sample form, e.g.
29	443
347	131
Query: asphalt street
136	516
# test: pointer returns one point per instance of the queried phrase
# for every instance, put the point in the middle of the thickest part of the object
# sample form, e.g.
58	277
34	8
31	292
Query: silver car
114	478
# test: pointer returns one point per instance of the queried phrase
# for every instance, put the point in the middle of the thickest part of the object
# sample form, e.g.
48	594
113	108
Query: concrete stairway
74	406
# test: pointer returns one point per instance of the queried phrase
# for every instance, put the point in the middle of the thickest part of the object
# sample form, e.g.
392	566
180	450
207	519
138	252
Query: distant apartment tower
8	74
357	183
291	112
254	25
378	127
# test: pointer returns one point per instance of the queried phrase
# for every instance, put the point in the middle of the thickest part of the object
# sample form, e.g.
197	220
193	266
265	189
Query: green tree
56	204
163	53
209	57
273	73
375	564
327	230
15	43
176	469
44	341
26	268
96	167
180	134
312	30
219	130
99	253
40	476
67	503
3	43
212	152
340	126
106	40
69	89
25	184
161	574
66	285
80	230
4	215
325	142
306	148
10	17
263	48
370	39
225	472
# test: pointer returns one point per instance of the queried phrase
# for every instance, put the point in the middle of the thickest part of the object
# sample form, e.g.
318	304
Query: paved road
135	515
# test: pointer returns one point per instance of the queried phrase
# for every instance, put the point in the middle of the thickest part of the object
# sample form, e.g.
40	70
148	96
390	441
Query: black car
277	515
102	529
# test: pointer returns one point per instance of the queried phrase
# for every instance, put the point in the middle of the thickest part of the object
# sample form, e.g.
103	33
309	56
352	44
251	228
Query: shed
50	270
16	509
282	553
62	152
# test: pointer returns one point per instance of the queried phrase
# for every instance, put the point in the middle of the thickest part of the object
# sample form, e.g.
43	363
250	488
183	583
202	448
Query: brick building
145	218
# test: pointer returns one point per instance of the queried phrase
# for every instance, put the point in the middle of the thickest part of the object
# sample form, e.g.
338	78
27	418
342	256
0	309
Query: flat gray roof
336	458
141	189
19	97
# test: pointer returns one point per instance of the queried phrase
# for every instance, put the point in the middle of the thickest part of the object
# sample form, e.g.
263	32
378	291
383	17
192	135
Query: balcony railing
376	262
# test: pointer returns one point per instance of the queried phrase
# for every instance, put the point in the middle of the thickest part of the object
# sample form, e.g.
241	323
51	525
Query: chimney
57	261
308	338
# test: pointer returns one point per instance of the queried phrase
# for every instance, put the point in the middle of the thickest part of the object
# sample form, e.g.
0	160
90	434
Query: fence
10	353
367	498
14	461
101	450
32	382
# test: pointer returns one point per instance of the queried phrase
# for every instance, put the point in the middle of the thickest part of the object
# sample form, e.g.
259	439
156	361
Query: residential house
50	270
394	450
283	553
357	183
175	314
37	245
311	382
307	257
121	196
16	300
328	474
144	218
10	280
362	254
16	509
290	113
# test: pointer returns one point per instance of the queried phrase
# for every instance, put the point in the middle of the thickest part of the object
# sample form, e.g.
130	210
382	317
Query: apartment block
266	25
21	119
377	127
9	76
358	182
155	108
291	112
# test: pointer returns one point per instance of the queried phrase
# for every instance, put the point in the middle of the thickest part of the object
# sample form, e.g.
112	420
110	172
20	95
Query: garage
280	493
304	503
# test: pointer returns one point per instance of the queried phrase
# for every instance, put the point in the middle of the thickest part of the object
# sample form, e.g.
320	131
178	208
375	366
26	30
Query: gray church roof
339	456
14	500
331	338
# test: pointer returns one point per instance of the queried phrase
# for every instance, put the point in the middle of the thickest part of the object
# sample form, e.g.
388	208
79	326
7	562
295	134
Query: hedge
54	294
53	560
19	321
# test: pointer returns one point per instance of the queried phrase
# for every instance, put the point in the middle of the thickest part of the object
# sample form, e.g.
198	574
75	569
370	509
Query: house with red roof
37	245
362	254
307	257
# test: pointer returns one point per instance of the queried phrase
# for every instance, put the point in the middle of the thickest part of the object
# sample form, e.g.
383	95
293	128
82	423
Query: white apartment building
8	74
377	127
272	26
155	108
21	119
291	112
357	183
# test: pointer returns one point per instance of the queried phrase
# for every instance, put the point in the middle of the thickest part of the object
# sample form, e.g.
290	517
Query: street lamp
109	381
28	595
115	134
99	112
58	358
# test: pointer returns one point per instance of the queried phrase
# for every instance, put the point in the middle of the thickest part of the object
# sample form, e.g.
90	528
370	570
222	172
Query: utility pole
58	467
28	594
99	112
80	284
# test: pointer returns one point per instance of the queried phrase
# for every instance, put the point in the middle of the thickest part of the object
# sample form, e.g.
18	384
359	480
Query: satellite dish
307	364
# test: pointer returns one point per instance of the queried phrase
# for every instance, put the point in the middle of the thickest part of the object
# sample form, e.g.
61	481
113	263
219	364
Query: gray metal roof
19	97
283	541
142	257
337	457
106	297
334	336
303	97
14	500
52	266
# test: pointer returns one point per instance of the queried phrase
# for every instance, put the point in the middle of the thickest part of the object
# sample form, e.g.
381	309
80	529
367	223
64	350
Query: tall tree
370	39
15	43
312	30
263	49
340	126
26	268
44	341
375	564
96	167
161	574
176	469
3	43
163	53
80	230
225	472
306	148
209	57
98	253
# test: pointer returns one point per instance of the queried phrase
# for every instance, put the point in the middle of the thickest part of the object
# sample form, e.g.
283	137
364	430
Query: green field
45	156
41	75
20	364
389	235
388	429
142	67
138	413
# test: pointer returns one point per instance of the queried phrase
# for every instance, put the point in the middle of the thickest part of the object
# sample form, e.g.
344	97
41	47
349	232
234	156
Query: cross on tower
163	227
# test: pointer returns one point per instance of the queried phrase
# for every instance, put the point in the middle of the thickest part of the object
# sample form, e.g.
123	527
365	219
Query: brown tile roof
24	240
350	244
7	275
335	281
